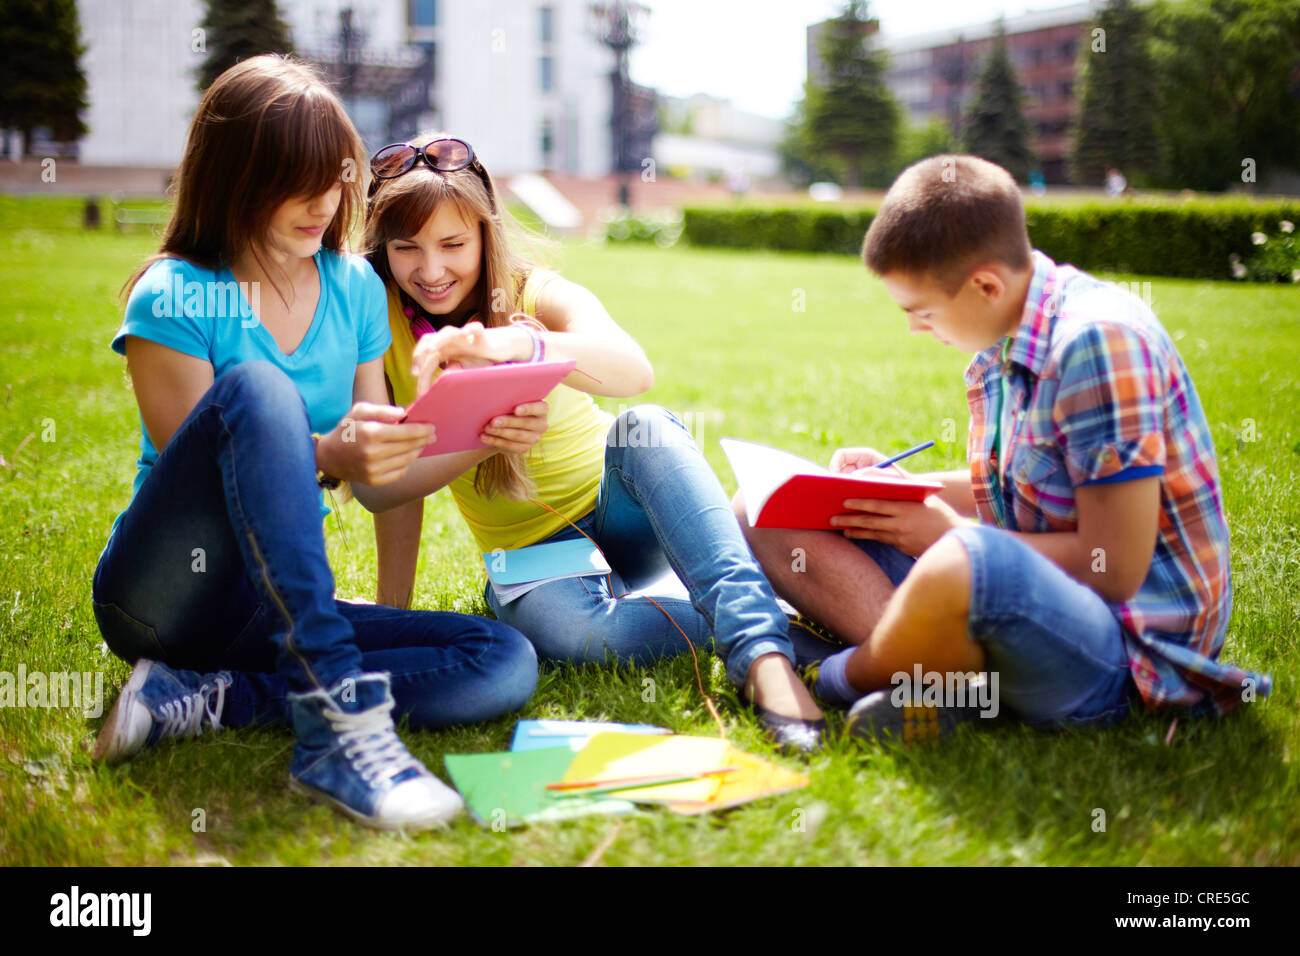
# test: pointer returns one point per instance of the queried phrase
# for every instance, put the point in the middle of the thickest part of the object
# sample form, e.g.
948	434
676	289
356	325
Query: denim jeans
666	527
1056	645
219	564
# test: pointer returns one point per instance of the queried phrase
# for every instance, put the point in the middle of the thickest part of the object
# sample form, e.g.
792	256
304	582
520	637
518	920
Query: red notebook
785	491
461	401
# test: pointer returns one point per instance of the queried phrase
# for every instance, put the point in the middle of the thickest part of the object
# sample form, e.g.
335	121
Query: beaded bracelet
539	346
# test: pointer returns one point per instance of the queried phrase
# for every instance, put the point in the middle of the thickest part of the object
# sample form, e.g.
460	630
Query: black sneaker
812	642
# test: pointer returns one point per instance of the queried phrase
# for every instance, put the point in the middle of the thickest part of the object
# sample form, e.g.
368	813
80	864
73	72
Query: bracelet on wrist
539	346
328	482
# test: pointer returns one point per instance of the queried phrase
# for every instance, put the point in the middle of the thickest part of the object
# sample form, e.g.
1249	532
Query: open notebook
782	490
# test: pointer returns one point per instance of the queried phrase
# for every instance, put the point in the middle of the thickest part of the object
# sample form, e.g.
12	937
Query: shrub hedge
1190	238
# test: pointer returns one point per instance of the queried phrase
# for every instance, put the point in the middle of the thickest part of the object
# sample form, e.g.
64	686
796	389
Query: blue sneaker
349	756
159	702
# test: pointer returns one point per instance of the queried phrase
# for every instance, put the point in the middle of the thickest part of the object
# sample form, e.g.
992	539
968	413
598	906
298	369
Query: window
423	13
546	73
548	143
546	24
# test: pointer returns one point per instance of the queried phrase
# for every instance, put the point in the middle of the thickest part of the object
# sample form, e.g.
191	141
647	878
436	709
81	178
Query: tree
853	116
41	82
1116	125
996	128
234	30
1229	82
801	160
931	139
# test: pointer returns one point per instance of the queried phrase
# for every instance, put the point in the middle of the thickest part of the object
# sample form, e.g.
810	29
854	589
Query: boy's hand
848	460
910	526
518	432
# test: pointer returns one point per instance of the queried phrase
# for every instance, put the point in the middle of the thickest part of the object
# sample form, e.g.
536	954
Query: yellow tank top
566	464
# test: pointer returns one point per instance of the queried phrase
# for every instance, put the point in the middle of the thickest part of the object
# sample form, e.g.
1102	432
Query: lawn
734	355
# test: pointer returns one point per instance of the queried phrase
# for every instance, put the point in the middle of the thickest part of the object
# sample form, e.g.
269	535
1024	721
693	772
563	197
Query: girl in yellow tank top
638	487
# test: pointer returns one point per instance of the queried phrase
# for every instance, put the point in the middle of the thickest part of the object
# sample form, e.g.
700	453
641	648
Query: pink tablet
461	401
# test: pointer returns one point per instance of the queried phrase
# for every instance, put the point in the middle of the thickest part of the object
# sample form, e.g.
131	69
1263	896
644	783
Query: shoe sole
911	723
108	746
441	820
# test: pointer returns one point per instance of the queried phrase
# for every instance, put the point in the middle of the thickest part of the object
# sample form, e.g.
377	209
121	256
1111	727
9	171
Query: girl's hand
518	432
848	460
368	446
469	345
910	526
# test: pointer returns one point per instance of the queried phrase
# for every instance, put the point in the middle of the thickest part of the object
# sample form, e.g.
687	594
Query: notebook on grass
574	734
648	769
509	789
752	779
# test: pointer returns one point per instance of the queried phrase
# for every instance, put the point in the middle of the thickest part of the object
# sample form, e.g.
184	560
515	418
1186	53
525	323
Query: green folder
510	788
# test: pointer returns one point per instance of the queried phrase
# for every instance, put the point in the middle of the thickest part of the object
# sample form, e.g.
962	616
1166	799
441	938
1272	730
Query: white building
525	82
708	136
139	63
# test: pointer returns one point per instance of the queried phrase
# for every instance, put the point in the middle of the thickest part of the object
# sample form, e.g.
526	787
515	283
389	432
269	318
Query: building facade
526	82
140	62
934	75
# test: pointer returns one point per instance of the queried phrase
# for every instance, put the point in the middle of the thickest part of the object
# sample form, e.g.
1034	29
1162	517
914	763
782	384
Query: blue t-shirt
208	315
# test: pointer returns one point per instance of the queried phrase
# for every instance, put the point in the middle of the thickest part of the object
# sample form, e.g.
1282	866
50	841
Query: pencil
911	451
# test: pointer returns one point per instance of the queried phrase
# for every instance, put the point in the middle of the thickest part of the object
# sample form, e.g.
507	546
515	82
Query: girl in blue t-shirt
255	346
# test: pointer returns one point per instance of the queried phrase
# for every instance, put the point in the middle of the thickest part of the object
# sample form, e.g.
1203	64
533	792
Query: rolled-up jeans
667	529
219	563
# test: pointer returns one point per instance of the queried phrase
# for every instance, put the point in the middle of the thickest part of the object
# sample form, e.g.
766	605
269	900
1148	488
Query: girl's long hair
267	130
398	209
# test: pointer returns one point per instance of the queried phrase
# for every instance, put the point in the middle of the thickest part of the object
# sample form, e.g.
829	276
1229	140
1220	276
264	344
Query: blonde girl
637	486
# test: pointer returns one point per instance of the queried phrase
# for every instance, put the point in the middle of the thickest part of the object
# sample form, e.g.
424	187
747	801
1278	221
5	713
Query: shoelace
183	717
371	744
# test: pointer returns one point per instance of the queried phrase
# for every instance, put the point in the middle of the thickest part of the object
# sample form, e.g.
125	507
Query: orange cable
699	682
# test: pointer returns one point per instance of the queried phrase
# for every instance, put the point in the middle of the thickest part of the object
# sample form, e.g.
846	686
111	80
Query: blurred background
585	110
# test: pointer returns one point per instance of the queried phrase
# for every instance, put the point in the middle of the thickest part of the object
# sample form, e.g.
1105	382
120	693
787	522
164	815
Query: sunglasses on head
444	155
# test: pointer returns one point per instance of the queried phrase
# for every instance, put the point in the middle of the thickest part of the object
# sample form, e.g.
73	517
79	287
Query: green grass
730	352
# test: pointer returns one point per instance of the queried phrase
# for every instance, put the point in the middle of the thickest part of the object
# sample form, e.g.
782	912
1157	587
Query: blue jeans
666	527
219	564
1056	645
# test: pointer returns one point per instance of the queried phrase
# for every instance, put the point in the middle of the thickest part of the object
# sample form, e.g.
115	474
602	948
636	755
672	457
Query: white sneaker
159	702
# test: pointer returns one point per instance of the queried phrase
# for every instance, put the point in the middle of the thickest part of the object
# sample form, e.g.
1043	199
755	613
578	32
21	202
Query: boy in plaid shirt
1081	564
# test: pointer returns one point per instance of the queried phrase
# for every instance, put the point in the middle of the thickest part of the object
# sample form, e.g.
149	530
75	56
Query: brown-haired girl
637	486
255	346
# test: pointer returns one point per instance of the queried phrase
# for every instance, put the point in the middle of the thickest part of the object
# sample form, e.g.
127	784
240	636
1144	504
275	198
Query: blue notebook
516	572
574	734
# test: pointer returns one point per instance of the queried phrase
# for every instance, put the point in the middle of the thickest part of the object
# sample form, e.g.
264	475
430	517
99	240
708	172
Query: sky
753	52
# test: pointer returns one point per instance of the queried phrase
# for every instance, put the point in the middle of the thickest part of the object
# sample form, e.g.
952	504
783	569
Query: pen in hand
889	461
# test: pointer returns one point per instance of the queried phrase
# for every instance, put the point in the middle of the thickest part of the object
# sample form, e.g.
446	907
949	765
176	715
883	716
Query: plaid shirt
1096	392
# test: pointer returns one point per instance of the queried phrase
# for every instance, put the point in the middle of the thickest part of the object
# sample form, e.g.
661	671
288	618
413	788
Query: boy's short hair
945	215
